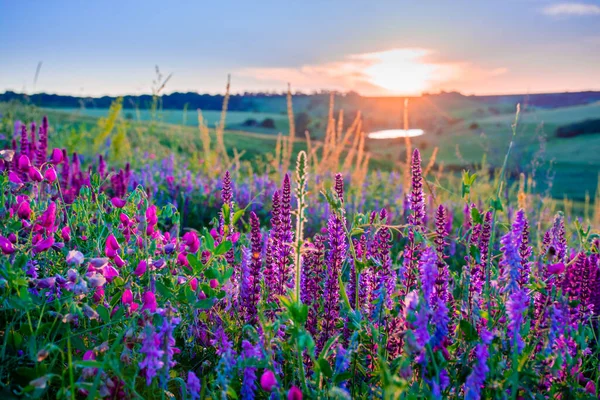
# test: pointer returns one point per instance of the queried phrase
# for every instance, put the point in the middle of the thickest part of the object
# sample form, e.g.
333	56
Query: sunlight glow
402	71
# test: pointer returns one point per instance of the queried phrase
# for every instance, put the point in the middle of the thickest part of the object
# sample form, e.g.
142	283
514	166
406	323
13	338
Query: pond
395	133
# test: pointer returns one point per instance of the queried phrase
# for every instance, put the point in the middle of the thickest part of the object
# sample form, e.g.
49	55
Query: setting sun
402	71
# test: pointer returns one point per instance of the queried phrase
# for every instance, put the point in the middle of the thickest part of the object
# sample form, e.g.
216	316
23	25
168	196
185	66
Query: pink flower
65	233
294	393
43	245
35	174
268	380
14	178
127	297
6	246
57	156
117	202
89	355
24	163
24	210
194	284
112	246
149	300
214	283
557	268
119	261
50	175
191	241
75	257
590	387
141	268
109	272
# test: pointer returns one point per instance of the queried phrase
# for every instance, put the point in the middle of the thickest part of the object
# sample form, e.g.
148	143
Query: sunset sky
372	47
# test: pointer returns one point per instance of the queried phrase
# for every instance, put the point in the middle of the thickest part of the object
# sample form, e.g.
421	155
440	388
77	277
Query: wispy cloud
400	71
563	9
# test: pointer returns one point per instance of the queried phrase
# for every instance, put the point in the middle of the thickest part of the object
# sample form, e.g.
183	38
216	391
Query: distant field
179	117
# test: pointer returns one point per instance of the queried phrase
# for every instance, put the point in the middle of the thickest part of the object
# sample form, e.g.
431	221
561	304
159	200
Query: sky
376	48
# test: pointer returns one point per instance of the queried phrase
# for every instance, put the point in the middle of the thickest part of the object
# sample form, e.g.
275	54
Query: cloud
562	9
399	71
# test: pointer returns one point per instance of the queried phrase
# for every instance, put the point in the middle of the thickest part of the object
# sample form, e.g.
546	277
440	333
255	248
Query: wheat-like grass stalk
205	139
431	162
408	146
220	131
289	144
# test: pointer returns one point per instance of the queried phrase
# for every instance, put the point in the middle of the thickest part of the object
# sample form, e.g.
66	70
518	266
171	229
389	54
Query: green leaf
324	367
468	330
223	247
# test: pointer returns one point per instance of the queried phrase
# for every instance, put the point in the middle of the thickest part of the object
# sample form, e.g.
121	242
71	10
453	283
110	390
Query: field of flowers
165	283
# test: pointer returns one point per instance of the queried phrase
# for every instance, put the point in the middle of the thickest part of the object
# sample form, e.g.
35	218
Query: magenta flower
268	380
117	202
149	302
24	210
6	246
141	268
127	297
57	156
24	163
43	245
294	393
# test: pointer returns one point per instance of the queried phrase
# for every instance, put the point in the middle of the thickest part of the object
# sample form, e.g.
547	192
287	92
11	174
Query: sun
399	71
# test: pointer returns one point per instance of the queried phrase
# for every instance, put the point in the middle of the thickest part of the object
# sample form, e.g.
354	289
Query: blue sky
375	47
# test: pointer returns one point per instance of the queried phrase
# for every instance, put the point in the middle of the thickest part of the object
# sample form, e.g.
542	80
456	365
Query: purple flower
385	277
510	263
417	197
476	379
193	386
227	191
252	278
428	273
516	308
271	272
312	278
335	259
167	343
153	355
249	352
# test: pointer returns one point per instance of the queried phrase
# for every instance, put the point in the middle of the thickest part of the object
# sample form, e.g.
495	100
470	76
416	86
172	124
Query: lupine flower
193	386
510	263
312	278
286	238
516	308
476	379
385	277
167	344
153	355
249	352
252	278
334	261
417	197
227	192
226	363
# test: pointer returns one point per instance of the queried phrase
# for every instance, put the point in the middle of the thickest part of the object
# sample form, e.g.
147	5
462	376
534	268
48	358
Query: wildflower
556	269
24	210
65	233
417	197
193	386
90	312
476	379
118	202
249	352
35	175
191	241
167	343
268	380
127	297
252	276
24	163
6	246
43	245
224	350
152	352
335	260
141	268
294	393
516	307
312	277
57	156
149	301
